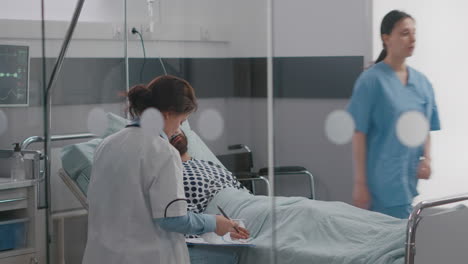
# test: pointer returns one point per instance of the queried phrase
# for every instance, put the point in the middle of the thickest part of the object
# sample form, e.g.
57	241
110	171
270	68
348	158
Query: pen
225	215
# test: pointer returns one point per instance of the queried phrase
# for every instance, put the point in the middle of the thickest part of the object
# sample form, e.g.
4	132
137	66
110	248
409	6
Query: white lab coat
133	179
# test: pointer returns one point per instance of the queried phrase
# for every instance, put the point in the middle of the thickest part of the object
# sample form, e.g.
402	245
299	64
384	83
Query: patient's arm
190	223
195	224
361	197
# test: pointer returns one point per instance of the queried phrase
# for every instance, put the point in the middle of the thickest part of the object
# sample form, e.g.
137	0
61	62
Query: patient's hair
386	27
166	93
182	143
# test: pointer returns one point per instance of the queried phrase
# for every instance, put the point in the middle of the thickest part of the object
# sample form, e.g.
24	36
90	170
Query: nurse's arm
190	223
424	169
361	197
427	148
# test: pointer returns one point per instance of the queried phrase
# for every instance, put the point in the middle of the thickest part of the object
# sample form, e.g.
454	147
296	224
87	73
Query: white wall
205	28
322	28
103	10
441	53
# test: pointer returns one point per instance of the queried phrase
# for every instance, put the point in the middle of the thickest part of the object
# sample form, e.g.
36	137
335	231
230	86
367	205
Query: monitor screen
14	75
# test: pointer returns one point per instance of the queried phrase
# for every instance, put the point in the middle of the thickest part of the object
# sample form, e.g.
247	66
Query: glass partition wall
88	90
314	77
447	159
22	196
219	47
319	50
322	112
271	138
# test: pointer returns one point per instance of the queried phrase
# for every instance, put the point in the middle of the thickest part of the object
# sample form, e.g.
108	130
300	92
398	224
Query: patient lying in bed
307	231
202	179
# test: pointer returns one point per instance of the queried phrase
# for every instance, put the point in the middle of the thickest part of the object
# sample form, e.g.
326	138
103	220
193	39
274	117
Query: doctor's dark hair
386	27
166	93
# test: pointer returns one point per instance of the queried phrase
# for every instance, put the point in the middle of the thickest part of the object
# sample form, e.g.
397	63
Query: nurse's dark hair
386	27
166	93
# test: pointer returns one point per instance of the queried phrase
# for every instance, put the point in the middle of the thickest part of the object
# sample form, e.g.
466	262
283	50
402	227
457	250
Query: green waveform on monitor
14	75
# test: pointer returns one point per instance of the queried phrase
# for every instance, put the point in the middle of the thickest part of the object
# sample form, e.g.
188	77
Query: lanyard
136	123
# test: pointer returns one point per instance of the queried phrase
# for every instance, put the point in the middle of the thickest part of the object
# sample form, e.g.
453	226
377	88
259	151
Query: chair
240	163
293	171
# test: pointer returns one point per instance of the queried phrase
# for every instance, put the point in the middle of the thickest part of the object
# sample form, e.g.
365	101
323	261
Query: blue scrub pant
401	211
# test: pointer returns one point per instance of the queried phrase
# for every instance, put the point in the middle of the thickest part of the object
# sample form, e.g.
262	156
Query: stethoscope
136	123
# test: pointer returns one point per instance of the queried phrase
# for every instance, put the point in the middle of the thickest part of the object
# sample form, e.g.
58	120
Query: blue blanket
309	231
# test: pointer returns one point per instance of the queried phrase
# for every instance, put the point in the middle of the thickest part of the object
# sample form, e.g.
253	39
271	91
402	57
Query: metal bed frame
415	217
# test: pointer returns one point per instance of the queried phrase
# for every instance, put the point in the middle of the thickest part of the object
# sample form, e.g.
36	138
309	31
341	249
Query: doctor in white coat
137	208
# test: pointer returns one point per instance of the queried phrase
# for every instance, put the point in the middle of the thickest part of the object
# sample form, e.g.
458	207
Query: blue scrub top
379	99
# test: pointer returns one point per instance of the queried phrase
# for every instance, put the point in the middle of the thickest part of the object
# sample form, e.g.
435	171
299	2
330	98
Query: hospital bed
78	185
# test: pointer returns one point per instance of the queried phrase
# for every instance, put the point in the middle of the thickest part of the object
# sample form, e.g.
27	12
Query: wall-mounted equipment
14	75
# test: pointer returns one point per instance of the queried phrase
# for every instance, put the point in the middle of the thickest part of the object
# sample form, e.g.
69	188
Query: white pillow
196	147
115	123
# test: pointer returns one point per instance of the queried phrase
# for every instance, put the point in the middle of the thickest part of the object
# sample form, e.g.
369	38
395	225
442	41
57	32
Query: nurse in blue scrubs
386	171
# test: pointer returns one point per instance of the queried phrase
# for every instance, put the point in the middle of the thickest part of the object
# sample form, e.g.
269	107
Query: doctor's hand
242	234
361	196
224	225
424	170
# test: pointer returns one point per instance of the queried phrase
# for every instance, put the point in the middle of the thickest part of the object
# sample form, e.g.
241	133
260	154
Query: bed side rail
415	217
34	139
